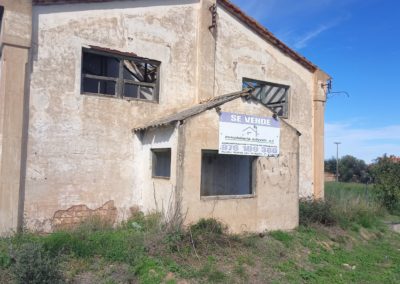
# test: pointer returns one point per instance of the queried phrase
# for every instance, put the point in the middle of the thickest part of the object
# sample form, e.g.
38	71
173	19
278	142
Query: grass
356	248
349	205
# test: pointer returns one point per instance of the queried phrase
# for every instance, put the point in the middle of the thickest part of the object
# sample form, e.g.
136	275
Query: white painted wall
153	194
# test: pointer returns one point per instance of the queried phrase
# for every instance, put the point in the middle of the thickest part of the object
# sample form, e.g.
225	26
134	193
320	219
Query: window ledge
127	99
160	177
227	197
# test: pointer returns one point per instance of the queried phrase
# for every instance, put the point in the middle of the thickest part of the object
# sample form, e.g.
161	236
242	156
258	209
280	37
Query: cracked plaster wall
81	149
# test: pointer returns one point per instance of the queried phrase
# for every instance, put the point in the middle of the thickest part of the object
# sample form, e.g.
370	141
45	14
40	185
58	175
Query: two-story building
112	106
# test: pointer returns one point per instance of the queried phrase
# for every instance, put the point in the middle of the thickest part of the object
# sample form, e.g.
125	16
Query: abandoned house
107	107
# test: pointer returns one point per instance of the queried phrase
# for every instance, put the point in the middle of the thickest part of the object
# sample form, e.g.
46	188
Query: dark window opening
123	77
99	86
272	95
226	174
1	16
161	163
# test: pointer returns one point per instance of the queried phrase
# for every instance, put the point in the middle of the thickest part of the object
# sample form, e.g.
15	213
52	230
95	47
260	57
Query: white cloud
363	143
302	42
288	19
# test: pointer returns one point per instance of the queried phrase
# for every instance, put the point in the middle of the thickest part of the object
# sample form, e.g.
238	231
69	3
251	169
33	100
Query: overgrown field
342	240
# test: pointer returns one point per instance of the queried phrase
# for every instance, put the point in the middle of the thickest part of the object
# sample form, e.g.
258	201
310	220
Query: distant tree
330	165
386	175
351	169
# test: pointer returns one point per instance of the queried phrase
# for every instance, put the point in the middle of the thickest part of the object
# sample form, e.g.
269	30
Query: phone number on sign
248	149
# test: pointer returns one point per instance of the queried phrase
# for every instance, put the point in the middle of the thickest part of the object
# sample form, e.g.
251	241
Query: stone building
109	105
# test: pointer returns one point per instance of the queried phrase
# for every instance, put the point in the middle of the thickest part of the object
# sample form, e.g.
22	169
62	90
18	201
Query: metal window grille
272	95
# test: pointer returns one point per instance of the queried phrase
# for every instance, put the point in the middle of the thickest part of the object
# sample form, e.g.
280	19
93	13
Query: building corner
319	100
15	44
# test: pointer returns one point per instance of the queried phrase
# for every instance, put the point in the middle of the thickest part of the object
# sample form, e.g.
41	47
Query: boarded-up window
161	162
225	174
115	75
272	95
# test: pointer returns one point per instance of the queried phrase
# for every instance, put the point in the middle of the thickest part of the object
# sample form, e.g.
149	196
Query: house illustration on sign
250	131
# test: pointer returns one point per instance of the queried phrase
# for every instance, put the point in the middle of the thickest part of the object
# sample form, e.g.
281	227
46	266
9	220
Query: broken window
115	75
161	162
272	95
225	174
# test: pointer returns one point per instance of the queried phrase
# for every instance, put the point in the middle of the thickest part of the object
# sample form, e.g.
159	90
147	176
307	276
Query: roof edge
267	35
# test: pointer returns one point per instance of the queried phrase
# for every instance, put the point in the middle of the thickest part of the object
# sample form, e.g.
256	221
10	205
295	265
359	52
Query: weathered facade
65	153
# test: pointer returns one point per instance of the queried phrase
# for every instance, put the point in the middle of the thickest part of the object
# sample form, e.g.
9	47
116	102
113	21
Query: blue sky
357	42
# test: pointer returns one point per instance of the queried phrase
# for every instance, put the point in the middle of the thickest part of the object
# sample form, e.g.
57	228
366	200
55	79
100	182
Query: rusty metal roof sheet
203	106
199	108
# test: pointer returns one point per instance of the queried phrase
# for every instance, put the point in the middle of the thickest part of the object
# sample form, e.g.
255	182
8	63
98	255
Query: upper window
226	175
272	95
118	76
1	16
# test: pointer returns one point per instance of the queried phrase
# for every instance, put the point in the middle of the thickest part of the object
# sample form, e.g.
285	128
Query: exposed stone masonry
75	215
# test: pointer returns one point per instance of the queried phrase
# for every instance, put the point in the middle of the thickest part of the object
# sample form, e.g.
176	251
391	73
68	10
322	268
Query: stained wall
274	204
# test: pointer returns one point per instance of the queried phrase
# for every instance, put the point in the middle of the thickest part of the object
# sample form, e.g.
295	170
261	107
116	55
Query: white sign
241	134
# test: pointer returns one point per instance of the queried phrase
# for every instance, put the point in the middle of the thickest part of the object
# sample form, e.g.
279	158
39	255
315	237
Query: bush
316	211
34	265
386	173
201	237
208	226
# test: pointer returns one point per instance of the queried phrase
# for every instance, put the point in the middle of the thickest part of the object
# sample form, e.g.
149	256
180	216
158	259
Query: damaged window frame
252	178
247	83
120	81
154	162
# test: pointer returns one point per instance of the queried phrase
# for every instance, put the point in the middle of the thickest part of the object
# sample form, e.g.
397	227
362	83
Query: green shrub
34	265
316	211
5	259
386	173
205	226
199	238
145	223
150	271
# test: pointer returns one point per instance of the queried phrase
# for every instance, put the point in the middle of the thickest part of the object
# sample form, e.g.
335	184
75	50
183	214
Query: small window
272	95
1	16
226	174
114	75
161	163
